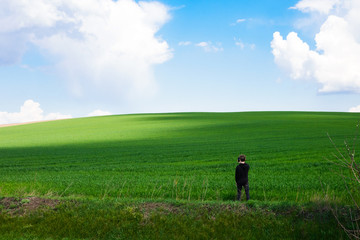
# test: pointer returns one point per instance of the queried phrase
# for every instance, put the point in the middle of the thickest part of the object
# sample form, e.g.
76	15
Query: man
241	177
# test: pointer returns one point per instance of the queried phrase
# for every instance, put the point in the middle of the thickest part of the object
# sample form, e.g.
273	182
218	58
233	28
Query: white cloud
55	116
210	47
242	45
185	43
293	55
95	44
321	6
99	112
238	21
203	44
29	112
334	64
355	109
206	46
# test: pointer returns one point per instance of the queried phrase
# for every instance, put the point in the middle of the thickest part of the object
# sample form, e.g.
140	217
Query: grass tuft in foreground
171	220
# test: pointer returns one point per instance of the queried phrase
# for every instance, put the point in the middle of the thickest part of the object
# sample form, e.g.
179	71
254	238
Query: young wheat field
185	157
189	156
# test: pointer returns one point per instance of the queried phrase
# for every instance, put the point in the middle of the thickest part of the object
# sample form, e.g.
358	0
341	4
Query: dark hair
241	158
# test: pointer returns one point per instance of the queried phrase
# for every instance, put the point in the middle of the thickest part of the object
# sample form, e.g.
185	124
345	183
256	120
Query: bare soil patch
21	206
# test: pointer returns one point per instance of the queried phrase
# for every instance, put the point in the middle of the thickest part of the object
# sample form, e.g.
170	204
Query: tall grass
111	220
348	162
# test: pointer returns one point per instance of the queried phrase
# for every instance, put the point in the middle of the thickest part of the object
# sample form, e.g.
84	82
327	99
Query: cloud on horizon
355	109
334	64
30	111
99	112
94	44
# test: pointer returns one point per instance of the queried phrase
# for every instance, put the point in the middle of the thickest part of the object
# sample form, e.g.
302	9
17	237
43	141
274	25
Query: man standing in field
241	177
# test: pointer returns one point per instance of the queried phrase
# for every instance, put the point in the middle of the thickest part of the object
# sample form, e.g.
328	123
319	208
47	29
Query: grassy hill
186	157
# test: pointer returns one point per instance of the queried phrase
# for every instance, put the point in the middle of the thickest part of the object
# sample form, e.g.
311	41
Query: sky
78	58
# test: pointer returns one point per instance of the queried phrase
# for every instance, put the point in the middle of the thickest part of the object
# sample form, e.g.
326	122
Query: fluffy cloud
334	64
210	47
94	44
29	112
293	55
322	6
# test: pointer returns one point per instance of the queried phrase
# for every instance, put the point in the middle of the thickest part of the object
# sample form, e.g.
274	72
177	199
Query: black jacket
241	174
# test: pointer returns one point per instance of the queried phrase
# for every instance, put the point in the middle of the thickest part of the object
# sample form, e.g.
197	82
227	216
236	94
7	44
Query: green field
190	156
185	157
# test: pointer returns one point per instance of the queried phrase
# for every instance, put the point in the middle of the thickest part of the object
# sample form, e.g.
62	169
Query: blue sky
177	56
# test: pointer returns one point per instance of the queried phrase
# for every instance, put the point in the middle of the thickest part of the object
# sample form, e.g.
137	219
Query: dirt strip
20	206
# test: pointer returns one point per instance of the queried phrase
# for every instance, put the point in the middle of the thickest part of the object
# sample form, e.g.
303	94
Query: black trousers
239	187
